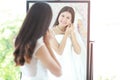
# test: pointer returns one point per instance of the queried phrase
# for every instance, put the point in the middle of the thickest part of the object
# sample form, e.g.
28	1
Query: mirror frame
89	74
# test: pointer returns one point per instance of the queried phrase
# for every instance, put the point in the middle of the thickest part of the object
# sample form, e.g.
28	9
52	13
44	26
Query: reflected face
65	19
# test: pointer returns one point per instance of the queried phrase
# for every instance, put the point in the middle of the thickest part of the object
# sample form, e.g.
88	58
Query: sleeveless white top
35	70
73	65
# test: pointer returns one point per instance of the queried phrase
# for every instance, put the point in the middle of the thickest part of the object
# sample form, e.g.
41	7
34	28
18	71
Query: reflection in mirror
67	43
68	38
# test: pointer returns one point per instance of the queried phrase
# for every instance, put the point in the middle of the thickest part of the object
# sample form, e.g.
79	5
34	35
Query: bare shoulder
42	52
47	60
54	30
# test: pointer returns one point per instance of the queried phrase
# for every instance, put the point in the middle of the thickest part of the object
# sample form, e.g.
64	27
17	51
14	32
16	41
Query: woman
64	25
65	45
31	53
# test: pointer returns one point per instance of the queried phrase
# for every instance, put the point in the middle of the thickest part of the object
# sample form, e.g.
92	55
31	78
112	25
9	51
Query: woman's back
31	53
35	70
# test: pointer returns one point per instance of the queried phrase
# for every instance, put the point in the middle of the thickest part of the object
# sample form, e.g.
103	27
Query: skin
49	61
64	20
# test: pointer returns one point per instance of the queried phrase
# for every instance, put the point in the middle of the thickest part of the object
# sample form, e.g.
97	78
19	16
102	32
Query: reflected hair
64	9
35	25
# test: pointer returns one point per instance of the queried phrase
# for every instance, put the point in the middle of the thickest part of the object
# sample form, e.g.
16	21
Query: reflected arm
75	43
59	47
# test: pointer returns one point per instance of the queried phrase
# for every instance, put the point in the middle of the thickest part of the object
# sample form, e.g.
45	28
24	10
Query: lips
63	22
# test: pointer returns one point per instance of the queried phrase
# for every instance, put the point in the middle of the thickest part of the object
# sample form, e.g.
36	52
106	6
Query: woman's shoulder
39	44
52	30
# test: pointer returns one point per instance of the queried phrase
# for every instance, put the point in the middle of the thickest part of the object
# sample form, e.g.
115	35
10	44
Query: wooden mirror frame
89	73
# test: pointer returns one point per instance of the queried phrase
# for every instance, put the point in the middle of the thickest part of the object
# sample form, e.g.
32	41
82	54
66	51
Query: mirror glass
73	55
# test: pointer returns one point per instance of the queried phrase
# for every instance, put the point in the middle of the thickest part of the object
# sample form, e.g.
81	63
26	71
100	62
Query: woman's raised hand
68	30
72	28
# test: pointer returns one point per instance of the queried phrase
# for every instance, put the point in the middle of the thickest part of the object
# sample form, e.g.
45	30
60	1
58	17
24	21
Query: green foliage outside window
8	31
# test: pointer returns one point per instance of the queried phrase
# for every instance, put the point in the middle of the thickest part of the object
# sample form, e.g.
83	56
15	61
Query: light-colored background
81	11
79	8
104	30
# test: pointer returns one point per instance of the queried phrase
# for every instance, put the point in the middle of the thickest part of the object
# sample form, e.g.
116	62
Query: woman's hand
67	32
72	28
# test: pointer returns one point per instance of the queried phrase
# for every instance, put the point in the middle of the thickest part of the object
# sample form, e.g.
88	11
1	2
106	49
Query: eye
68	17
62	15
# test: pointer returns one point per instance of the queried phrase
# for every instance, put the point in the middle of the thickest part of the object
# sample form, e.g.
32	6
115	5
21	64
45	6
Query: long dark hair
34	26
64	9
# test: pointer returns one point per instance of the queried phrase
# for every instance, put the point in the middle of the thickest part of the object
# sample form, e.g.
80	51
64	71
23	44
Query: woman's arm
48	61
59	47
47	39
75	43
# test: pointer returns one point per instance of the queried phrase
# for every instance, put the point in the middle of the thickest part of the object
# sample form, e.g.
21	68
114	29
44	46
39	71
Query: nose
64	19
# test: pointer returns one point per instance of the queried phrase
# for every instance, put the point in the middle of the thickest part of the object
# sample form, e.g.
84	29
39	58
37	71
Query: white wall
105	23
105	31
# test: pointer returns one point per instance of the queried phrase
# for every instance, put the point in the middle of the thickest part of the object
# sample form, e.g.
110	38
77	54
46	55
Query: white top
35	70
73	65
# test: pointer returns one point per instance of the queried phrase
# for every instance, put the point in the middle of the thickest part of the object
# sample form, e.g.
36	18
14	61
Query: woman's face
65	19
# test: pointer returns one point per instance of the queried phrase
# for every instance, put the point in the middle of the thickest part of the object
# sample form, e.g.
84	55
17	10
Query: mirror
77	66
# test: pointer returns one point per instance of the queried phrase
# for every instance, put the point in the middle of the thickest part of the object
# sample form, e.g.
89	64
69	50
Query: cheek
59	19
69	22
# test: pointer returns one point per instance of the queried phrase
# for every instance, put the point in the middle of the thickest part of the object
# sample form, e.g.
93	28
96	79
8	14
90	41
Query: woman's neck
61	28
58	30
